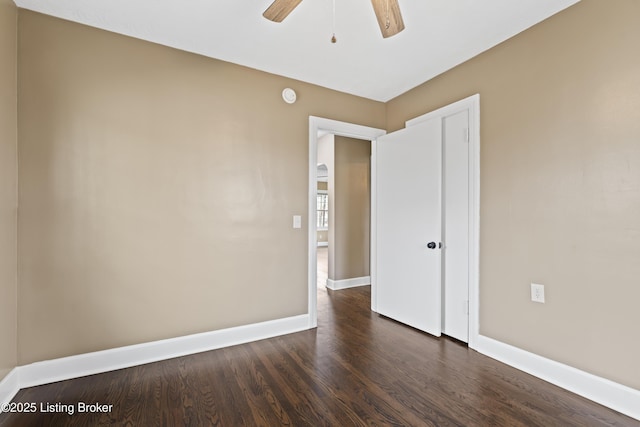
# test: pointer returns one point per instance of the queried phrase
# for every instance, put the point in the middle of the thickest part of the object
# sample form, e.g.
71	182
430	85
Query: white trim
81	365
9	386
471	103
323	244
348	283
447	110
474	226
616	396
373	236
605	392
351	130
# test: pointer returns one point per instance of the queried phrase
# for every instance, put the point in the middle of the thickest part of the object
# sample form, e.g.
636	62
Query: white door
408	225
456	227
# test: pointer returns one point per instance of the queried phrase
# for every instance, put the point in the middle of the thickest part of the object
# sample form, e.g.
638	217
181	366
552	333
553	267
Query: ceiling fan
387	12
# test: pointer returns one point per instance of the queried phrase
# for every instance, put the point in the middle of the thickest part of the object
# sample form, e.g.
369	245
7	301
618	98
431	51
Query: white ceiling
439	35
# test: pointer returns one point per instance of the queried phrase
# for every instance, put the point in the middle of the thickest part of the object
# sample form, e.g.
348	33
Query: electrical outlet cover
537	293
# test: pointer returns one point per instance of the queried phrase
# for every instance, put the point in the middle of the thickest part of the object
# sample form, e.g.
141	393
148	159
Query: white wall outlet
297	221
537	293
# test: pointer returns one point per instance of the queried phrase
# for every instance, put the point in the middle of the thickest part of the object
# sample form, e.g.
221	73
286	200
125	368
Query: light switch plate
297	221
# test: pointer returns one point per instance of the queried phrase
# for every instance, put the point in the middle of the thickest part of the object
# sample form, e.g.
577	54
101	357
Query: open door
408	224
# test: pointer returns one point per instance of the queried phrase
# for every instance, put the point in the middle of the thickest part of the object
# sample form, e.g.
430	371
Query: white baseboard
9	386
81	365
348	283
618	397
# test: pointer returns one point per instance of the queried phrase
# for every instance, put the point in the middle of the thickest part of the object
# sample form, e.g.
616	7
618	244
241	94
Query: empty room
162	210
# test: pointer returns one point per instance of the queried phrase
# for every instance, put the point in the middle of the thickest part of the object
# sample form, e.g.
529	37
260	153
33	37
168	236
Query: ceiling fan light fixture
333	23
387	13
280	9
388	16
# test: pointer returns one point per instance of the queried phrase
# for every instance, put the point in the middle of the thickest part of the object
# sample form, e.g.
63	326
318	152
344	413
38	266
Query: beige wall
8	185
560	184
150	180
351	208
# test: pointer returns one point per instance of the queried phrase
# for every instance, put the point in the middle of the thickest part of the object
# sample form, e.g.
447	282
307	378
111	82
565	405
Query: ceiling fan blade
280	9
389	17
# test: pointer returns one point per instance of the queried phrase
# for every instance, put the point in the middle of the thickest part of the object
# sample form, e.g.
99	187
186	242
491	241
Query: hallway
323	266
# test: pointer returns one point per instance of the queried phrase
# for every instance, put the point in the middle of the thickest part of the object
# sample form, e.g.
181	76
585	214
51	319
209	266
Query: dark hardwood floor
356	369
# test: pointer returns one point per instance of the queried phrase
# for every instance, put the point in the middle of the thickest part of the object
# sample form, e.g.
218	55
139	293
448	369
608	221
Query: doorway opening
343	210
428	222
319	127
472	136
322	224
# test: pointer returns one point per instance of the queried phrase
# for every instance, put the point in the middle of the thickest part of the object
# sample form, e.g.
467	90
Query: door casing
316	124
342	129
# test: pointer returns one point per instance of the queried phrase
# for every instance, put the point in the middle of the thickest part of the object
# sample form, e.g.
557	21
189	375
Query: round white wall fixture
289	95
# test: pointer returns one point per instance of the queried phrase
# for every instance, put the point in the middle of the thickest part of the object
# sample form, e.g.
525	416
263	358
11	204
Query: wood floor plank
355	369
306	398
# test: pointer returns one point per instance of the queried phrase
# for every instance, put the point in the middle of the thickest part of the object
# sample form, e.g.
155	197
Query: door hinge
466	134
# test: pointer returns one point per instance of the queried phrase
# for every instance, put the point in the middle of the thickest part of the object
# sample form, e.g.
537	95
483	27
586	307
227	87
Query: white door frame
341	129
472	104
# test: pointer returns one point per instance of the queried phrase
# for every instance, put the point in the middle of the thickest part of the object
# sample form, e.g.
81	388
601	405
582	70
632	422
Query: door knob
431	245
